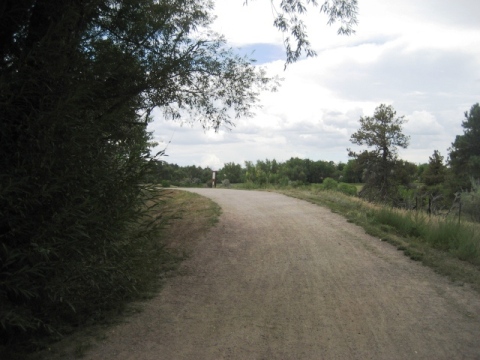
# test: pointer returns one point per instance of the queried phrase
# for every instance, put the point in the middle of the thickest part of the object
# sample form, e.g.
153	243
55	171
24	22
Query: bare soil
280	278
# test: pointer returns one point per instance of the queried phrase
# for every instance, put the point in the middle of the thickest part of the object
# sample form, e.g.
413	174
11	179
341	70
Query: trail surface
279	278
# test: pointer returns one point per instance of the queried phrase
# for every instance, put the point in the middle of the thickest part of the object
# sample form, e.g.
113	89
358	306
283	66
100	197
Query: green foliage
383	133
353	171
404	223
231	171
187	175
347	189
262	172
78	81
330	184
421	168
403	172
462	240
405	195
435	173
470	201
165	183
226	183
318	170
465	151
288	19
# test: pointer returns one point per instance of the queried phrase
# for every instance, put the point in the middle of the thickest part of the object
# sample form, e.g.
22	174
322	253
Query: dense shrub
226	183
347	189
78	82
471	202
165	183
329	184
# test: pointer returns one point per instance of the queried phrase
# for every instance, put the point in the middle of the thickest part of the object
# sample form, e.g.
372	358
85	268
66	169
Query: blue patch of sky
262	53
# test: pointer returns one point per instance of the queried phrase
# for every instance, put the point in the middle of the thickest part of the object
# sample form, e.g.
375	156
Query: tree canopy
465	150
383	133
78	82
288	19
436	171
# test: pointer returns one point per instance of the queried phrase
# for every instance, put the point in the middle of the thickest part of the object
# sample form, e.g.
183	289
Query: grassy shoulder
185	218
450	248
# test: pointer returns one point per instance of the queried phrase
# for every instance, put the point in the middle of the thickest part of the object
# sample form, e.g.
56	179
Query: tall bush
330	184
78	81
347	189
470	201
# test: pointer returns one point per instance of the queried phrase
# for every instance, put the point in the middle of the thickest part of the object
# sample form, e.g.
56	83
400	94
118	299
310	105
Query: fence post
459	211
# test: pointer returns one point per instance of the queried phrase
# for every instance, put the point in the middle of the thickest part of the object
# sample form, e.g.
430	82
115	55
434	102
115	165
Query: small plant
165	183
226	183
330	184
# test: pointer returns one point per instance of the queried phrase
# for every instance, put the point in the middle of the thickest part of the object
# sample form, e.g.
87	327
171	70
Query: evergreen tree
436	170
383	133
465	151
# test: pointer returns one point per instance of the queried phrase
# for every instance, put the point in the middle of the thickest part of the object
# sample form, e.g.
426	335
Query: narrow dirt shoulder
279	278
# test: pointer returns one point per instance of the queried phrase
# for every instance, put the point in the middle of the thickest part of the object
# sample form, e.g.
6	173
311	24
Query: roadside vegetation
80	211
148	262
79	81
430	211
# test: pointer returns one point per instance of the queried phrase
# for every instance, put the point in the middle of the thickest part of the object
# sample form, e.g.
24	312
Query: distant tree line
295	171
385	177
391	180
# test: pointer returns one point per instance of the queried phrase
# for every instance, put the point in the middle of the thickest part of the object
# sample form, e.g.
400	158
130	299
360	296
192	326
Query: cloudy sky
421	57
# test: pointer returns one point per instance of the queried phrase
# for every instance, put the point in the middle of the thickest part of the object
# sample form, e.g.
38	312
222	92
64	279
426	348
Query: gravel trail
280	278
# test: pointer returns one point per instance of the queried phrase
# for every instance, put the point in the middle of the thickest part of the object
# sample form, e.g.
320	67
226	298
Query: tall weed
404	223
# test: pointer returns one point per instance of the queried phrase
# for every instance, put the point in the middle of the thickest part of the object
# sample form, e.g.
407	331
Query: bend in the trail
279	278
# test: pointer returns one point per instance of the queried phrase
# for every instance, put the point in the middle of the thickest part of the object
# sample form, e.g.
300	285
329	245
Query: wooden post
214	180
459	211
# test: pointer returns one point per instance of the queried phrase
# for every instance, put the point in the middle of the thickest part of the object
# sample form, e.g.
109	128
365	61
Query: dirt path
279	278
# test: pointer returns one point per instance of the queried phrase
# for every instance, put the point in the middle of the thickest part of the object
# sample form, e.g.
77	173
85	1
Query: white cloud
211	161
423	57
423	123
243	25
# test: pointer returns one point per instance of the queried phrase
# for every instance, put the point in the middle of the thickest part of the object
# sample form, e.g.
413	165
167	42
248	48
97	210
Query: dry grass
191	216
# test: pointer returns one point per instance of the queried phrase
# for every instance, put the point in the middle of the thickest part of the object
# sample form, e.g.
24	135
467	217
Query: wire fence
436	205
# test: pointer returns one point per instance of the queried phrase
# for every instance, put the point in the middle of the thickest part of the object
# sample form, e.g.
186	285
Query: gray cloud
414	78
